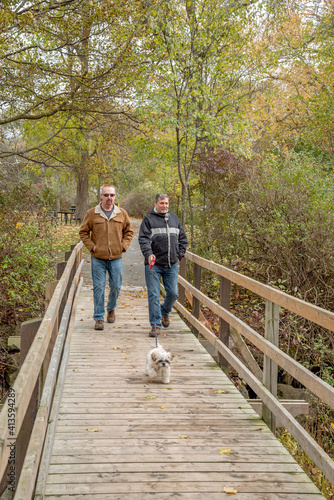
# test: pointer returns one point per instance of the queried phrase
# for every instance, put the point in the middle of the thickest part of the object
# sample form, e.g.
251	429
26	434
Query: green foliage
25	250
25	257
275	223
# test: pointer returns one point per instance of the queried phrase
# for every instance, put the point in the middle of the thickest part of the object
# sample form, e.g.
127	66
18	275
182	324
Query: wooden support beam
315	384
294	406
49	289
182	272
269	366
239	342
196	302
224	327
14	341
313	450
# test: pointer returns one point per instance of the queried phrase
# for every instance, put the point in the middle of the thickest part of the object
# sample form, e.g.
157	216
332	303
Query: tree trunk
82	204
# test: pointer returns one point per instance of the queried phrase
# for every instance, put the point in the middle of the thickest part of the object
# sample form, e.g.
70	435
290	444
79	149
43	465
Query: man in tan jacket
106	232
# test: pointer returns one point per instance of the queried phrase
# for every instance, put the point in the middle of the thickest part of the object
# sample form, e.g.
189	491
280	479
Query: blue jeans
169	280
99	269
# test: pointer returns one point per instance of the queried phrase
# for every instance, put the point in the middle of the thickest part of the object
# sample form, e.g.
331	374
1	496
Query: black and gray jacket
163	236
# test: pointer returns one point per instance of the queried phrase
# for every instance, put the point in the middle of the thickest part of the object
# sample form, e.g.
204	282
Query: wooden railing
263	383
25	413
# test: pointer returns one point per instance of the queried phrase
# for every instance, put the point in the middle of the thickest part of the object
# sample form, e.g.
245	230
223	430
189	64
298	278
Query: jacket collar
98	210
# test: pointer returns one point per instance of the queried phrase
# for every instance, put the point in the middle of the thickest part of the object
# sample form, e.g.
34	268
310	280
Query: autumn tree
199	74
73	61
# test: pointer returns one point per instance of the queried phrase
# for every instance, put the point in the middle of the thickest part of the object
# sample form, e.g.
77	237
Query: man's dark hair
161	196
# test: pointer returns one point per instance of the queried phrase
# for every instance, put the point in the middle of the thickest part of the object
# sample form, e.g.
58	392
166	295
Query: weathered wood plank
324	391
158	487
309	311
246	466
120	434
192	496
309	445
214	460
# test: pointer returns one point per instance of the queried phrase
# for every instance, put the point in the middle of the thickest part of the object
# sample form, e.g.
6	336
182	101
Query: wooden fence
263	382
25	413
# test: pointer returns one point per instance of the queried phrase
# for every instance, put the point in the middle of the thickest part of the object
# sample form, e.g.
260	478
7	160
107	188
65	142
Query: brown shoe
152	332
111	316
165	321
99	325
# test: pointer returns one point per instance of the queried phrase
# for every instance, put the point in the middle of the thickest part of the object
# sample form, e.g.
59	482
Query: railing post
269	366
60	269
196	302
28	331
182	272
224	327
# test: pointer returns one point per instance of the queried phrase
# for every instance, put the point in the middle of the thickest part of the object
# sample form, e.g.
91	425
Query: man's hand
151	258
93	249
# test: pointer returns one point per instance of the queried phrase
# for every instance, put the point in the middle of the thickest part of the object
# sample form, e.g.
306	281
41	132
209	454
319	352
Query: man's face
108	197
162	205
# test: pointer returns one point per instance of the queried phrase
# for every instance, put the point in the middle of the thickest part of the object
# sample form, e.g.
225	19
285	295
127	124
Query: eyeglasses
107	195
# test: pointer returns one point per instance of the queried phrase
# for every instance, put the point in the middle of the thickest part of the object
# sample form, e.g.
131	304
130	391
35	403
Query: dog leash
156	335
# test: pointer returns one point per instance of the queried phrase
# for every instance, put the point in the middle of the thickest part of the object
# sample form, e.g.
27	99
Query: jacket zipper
168	243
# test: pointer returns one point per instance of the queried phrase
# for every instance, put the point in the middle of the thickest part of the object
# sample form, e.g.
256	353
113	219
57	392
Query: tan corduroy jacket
111	238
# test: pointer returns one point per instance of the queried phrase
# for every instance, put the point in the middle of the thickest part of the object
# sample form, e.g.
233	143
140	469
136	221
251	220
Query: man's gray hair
161	196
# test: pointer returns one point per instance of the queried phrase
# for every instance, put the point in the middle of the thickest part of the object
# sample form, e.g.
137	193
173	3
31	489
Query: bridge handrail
319	316
316	314
30	370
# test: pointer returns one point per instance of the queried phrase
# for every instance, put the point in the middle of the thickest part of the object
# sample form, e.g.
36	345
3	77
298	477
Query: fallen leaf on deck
104	392
94	430
114	347
150	396
220	391
183	437
162	407
225	451
169	388
229	491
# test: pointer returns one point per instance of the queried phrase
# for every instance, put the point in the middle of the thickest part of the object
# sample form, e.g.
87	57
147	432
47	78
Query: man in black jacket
163	243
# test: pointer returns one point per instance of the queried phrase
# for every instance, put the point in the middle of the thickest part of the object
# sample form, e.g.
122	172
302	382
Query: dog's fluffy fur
158	362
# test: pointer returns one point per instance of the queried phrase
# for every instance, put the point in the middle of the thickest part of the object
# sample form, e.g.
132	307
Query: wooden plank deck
120	435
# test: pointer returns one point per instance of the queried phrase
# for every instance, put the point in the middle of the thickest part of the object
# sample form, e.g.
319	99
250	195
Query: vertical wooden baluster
182	272
269	366
196	302
224	327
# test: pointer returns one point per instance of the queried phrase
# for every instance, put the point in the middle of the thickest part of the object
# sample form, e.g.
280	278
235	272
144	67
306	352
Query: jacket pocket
99	225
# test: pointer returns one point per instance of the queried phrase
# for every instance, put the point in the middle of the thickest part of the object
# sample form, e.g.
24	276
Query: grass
64	237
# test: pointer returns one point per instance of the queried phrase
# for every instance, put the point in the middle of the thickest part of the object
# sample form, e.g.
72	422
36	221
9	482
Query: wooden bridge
103	430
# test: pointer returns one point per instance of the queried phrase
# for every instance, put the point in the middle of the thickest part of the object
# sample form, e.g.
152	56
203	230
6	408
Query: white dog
158	361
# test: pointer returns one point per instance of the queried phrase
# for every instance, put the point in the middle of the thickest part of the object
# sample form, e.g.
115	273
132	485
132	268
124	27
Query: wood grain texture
120	435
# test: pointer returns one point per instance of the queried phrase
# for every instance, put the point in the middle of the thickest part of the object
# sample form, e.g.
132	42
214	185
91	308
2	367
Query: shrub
138	203
25	249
